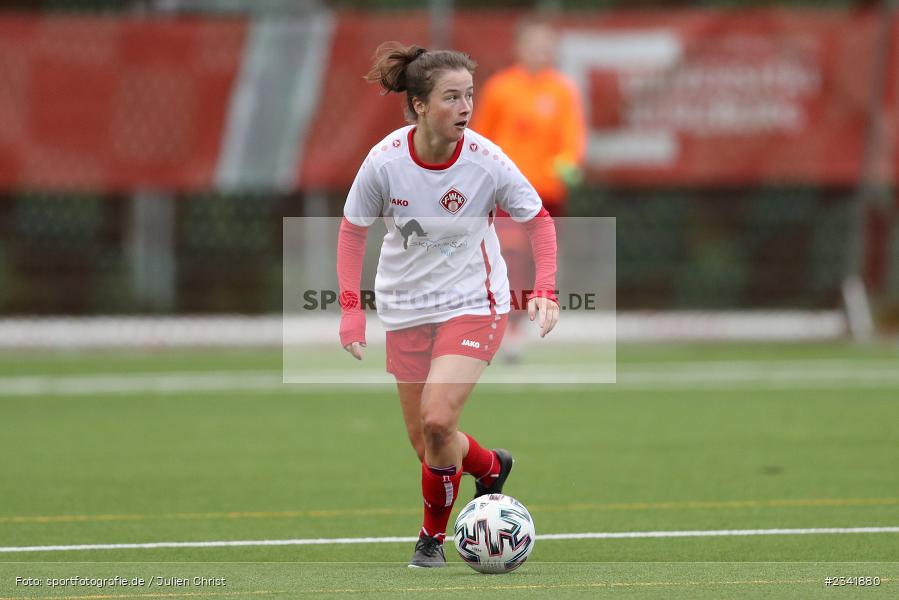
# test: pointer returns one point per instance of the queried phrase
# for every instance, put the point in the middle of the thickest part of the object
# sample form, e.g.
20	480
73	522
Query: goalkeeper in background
533	112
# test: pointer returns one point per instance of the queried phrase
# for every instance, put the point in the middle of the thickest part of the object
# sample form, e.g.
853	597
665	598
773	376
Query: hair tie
419	52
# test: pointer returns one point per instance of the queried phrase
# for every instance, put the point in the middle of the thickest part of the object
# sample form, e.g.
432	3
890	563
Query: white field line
390	540
798	374
306	331
154	383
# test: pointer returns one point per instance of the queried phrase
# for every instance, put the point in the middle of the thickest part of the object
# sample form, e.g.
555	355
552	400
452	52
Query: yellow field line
365	512
695	504
287	514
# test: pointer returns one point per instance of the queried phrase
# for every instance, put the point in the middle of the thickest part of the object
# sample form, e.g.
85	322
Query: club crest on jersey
452	201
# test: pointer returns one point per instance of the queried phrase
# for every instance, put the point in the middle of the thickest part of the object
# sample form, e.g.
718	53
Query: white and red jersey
440	257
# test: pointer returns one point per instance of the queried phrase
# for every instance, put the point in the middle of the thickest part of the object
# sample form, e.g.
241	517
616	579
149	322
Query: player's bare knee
438	430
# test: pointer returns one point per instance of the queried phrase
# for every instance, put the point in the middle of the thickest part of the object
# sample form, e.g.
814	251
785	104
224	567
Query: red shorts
410	350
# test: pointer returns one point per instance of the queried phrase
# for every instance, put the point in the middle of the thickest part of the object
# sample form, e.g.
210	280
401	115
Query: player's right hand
355	349
352	332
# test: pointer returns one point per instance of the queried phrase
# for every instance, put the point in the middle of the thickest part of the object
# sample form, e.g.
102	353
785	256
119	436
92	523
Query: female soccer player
441	289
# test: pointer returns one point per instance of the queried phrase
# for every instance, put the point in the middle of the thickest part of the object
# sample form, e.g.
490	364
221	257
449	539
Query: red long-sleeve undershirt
350	254
542	233
351	251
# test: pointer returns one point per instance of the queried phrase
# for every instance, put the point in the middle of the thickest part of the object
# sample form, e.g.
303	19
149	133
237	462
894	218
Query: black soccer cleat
505	467
428	553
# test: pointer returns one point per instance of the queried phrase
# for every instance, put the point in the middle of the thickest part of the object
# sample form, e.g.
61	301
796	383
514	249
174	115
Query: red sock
479	461
439	487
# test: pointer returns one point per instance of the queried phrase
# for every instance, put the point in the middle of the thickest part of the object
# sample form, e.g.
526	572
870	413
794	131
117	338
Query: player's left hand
570	174
355	349
549	313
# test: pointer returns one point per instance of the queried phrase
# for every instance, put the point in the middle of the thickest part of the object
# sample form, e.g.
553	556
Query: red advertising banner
672	98
709	98
103	103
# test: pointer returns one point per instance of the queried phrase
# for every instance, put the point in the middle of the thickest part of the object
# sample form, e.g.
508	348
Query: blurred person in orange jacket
534	113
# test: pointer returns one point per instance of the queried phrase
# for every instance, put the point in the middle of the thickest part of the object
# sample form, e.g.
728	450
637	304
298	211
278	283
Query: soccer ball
494	534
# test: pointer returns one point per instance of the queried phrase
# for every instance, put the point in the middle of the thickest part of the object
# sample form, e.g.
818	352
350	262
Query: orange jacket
537	119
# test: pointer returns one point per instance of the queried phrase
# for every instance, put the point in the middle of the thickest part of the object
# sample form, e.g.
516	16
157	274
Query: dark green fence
721	249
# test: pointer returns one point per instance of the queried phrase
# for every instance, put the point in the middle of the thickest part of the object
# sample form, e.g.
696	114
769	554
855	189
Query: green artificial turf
290	464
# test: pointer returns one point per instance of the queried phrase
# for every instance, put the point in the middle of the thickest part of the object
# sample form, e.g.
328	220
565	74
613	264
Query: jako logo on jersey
471	343
473	147
396	143
411	226
452	201
399	202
